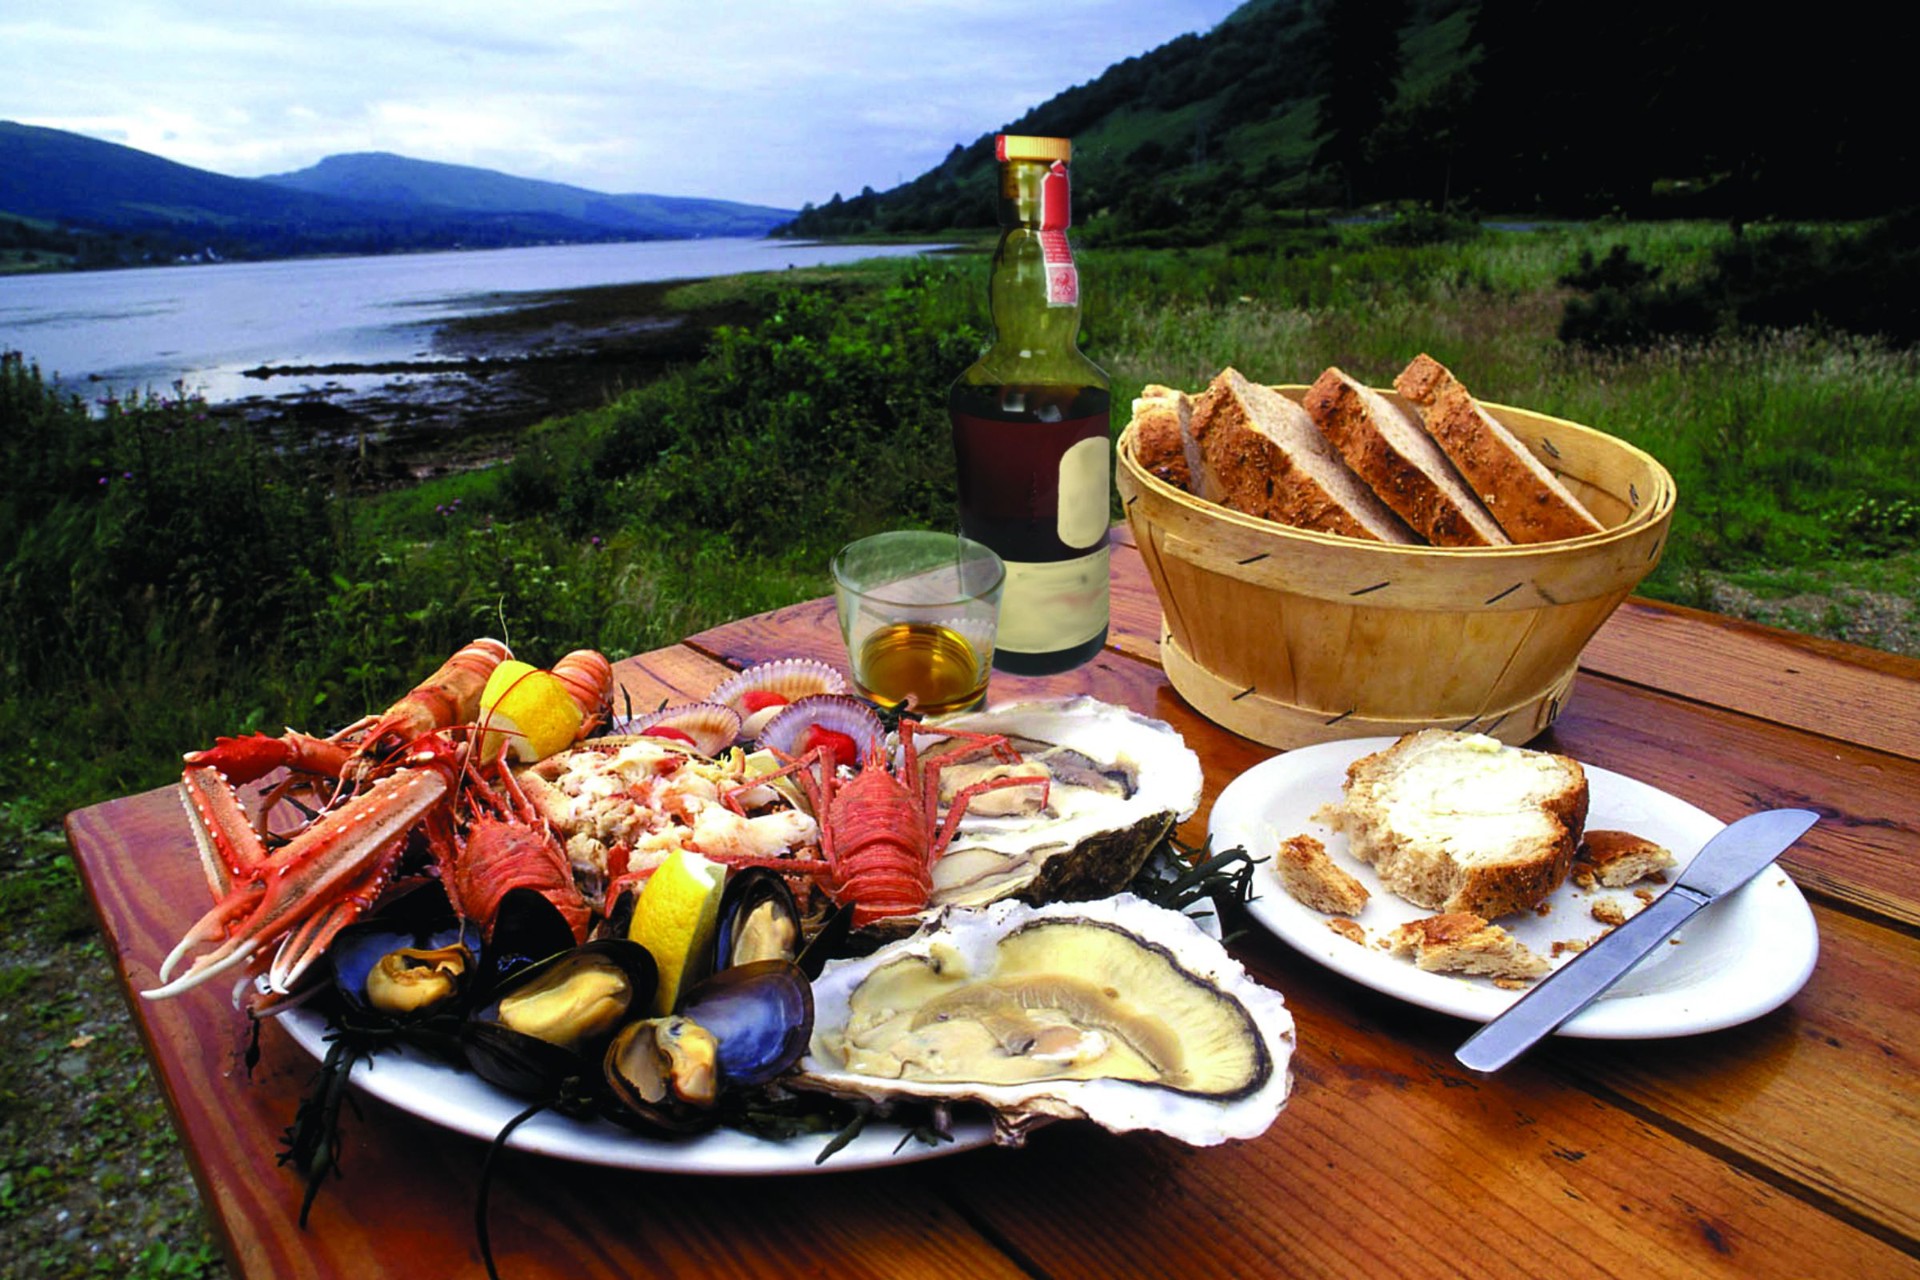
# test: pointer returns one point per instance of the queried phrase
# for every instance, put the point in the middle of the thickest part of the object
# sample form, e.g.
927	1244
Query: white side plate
1742	957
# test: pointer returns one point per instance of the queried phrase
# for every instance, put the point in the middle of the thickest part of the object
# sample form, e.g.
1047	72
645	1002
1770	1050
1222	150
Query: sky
776	102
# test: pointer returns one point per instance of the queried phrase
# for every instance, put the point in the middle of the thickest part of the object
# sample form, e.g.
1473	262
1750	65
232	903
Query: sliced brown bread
1524	496
1461	942
1620	858
1462	822
1160	418
1387	447
1312	878
1269	460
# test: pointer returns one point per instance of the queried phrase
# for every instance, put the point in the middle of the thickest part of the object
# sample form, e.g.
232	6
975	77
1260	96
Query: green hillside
1491	106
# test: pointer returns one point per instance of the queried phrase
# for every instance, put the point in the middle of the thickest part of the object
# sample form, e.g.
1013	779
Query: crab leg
271	894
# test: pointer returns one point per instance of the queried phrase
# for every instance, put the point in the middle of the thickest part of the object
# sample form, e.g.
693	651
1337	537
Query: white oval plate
1744	956
422	1085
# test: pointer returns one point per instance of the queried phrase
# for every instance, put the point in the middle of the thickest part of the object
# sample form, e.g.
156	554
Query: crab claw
309	889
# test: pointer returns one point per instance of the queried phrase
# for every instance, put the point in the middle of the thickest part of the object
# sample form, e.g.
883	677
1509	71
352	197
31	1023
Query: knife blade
1733	857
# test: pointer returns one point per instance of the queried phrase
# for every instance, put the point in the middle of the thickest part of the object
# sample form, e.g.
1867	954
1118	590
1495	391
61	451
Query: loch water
201	326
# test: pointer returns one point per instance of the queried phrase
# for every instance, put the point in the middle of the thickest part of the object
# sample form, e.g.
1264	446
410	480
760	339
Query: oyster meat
1117	1010
1119	781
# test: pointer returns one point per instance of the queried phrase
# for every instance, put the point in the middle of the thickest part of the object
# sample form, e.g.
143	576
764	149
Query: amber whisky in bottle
1030	427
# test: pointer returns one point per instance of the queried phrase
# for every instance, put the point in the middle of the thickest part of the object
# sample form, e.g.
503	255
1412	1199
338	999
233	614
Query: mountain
1647	109
101	204
377	177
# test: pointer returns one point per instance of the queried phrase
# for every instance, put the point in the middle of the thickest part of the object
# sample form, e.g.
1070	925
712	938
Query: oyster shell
1120	781
1118	1011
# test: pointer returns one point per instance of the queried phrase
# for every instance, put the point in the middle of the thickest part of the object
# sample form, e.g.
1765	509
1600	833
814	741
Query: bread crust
1314	880
1462	942
1159	426
1404	467
1280	468
1621	858
1530	504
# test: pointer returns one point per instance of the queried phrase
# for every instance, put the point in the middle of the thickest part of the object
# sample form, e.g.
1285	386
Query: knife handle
1578	983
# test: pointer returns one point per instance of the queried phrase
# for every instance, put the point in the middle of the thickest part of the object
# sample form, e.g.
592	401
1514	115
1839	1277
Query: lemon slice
526	711
675	919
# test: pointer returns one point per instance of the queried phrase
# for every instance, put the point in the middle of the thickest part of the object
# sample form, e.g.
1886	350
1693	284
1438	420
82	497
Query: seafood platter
770	913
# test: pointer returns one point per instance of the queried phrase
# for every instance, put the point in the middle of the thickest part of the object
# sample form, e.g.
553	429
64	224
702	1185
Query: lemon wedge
675	918
527	712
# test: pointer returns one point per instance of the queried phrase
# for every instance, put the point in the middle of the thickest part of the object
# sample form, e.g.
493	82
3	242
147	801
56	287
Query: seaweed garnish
1189	878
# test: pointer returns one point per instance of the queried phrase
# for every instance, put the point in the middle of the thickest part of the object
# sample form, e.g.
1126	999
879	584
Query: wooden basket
1289	637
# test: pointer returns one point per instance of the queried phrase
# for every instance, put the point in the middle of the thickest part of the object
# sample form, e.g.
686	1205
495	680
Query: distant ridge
103	204
379	177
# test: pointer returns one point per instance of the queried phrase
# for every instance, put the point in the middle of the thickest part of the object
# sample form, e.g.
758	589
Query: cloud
773	103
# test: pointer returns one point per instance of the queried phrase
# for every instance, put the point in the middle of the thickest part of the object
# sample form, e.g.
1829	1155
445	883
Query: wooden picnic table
1786	1146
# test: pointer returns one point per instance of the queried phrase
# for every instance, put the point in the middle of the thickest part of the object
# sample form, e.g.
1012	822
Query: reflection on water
123	332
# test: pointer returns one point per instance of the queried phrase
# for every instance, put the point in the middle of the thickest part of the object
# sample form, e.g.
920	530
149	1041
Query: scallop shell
712	726
839	712
791	678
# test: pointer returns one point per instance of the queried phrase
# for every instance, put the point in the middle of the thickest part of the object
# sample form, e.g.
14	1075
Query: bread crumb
1570	946
1350	930
1461	942
1310	876
1583	876
1609	911
1621	858
1512	984
1544	909
1645	895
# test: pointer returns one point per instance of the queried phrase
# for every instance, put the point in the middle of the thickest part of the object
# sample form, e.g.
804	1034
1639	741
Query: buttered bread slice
1462	822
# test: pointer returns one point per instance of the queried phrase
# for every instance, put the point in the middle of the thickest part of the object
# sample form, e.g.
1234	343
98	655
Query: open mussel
758	920
742	1027
410	964
541	1031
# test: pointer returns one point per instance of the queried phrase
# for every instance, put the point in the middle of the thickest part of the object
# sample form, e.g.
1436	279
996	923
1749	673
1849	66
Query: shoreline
486	379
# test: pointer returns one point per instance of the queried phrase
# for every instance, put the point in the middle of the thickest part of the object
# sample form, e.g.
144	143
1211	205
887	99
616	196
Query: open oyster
1119	783
1117	1010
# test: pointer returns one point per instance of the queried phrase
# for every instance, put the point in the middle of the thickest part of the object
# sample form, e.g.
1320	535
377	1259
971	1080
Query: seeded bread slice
1527	499
1160	418
1269	460
1387	447
1462	822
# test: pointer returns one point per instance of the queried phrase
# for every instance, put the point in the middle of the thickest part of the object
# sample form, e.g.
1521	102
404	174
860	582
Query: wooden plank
405	1203
1861	851
1820	1091
1390	1160
1822	686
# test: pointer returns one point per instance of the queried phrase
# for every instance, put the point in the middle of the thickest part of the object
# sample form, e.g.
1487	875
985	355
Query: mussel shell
360	948
758	920
534	1064
645	1069
742	1027
761	1014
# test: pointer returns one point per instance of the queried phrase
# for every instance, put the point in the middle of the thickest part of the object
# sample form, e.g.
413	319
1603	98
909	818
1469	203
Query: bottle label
1053	606
1056	215
1034	491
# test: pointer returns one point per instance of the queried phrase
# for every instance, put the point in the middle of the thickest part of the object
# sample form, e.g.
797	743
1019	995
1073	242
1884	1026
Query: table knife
1733	857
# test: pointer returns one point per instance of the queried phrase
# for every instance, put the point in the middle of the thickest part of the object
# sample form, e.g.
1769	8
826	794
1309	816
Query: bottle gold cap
1012	146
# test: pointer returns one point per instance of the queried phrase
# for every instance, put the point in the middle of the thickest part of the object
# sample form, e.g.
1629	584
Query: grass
719	491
